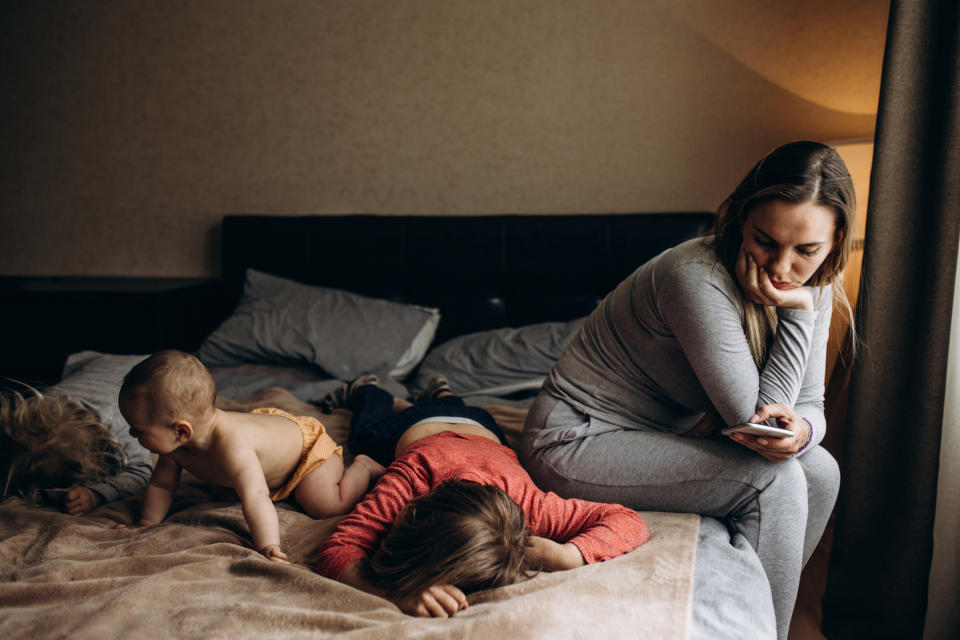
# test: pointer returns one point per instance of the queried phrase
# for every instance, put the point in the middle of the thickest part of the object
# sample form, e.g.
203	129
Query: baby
266	455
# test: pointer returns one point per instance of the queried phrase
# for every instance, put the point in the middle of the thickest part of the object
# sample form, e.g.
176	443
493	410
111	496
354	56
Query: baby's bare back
276	441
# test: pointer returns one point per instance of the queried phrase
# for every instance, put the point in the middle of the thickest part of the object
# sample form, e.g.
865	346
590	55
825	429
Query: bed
308	302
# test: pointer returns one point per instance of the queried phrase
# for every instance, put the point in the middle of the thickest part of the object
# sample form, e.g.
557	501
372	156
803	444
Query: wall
129	128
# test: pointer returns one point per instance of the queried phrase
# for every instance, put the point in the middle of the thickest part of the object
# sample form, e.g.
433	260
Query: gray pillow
94	378
501	361
279	321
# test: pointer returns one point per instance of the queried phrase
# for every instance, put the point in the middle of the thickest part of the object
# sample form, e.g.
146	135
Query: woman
717	331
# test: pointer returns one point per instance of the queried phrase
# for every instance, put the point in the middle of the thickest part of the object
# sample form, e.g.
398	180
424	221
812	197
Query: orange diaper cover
317	448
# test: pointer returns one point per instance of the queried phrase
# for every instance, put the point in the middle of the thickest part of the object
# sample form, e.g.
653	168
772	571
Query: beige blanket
196	576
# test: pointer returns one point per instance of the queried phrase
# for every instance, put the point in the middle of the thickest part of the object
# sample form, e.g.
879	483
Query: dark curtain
880	560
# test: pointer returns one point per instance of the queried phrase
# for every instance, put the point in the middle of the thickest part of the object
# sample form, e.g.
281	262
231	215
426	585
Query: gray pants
780	508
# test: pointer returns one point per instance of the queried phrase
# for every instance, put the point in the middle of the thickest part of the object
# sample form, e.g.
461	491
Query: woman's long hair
50	441
463	533
798	172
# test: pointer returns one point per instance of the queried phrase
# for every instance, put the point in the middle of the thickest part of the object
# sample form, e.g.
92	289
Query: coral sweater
600	531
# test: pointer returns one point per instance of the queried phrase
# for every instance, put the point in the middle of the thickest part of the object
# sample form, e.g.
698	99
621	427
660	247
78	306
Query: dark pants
376	428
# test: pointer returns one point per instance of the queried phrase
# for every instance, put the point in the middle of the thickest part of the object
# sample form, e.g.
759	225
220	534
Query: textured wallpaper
129	128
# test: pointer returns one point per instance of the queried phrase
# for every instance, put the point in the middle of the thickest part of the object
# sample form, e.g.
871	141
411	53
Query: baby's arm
159	493
243	467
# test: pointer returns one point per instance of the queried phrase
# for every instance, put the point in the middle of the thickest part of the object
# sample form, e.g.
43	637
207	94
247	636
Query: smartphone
758	430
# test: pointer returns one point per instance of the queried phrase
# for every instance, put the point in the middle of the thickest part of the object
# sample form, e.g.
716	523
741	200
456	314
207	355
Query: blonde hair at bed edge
800	173
51	441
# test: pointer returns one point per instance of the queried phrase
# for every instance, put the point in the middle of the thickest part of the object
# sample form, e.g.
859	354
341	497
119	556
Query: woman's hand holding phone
775	449
758	430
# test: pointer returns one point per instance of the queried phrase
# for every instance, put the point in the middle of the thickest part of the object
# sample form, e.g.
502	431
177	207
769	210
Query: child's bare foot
376	469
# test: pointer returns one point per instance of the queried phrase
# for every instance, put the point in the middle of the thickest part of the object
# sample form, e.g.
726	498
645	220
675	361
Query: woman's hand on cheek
776	449
757	287
437	601
749	275
796	298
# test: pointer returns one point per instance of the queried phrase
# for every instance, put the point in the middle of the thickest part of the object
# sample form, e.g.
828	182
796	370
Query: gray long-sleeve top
133	478
668	343
94	379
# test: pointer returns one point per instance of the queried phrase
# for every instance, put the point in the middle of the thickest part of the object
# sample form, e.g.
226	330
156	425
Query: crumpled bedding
196	575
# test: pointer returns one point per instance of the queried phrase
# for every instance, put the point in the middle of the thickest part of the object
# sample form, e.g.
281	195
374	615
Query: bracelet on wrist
809	436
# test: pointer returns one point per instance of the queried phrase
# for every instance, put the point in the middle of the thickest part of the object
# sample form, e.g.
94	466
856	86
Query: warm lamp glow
858	156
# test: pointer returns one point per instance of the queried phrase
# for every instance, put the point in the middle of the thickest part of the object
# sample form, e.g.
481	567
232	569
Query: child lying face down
57	451
455	512
265	455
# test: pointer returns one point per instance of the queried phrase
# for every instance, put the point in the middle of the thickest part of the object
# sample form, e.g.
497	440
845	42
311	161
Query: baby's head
50	441
466	534
165	397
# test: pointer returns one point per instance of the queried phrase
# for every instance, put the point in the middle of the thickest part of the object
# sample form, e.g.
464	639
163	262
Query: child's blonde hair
463	533
51	441
174	384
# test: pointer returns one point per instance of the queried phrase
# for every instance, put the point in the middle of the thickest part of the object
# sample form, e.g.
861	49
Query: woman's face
789	240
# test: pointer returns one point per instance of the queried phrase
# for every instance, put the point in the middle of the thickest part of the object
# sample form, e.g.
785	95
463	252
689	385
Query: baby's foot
375	468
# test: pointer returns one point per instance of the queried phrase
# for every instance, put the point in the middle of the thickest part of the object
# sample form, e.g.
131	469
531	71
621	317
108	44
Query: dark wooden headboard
482	272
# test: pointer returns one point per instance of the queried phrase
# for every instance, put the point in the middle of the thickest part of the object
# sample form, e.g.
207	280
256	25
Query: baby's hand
137	525
273	552
80	500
